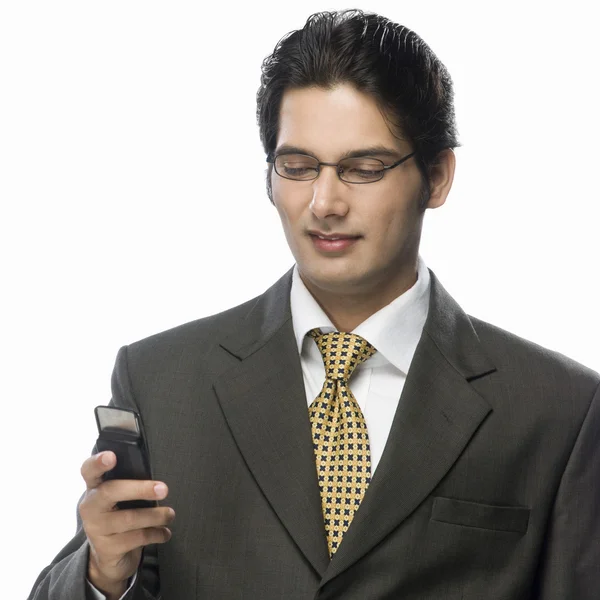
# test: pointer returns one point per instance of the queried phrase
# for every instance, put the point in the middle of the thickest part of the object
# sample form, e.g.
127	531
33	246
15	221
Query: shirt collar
394	330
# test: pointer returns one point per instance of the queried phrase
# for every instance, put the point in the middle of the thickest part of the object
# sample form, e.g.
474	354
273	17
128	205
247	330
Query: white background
121	215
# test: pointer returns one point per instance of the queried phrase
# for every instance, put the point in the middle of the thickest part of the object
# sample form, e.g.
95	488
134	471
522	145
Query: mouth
333	236
332	242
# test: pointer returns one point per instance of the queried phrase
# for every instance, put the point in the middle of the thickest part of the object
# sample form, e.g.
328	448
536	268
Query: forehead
329	122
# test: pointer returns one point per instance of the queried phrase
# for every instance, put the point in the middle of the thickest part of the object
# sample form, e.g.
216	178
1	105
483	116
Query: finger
122	543
95	466
121	521
104	497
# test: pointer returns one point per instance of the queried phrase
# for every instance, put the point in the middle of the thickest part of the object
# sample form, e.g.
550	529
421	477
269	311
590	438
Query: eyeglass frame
272	158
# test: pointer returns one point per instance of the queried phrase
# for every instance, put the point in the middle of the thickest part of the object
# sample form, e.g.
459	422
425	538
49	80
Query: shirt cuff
97	595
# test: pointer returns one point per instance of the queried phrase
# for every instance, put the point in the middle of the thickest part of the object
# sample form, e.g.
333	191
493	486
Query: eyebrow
377	150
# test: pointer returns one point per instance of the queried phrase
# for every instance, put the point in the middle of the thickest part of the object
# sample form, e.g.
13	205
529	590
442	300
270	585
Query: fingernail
160	489
106	459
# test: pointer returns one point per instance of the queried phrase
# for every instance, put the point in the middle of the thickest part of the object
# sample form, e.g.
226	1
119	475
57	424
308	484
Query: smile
331	244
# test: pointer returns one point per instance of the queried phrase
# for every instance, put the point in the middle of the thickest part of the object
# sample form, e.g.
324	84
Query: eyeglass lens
352	170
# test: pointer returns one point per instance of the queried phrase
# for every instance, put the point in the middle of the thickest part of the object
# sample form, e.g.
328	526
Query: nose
328	194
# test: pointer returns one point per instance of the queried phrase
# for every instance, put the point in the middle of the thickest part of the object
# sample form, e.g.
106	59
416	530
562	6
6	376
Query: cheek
278	201
290	203
394	221
289	208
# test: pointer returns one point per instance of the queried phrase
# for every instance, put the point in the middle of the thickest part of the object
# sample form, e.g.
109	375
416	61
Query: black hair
381	58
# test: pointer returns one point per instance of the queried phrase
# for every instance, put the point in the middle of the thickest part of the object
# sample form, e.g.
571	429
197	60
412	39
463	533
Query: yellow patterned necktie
339	431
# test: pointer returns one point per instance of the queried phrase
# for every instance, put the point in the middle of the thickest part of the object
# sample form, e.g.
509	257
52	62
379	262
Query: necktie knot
342	352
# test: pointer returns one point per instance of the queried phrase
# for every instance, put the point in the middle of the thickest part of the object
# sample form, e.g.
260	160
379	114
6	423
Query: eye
362	169
296	166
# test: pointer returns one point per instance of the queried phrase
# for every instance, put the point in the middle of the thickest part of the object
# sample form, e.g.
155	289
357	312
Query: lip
333	236
333	243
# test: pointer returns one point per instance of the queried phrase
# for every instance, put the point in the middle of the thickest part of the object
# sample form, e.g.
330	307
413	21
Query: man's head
345	82
381	58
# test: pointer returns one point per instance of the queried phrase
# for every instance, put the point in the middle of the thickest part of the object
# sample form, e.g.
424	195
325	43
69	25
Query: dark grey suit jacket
489	486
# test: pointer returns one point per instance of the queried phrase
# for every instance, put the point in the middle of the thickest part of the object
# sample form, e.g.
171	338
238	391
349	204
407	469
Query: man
351	433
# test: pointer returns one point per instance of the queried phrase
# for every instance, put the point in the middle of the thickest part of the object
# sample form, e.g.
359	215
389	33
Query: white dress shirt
377	384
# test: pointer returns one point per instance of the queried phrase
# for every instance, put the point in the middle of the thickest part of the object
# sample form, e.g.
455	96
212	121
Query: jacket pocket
482	516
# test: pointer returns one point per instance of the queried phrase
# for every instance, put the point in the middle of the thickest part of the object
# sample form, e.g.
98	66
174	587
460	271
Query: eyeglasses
301	167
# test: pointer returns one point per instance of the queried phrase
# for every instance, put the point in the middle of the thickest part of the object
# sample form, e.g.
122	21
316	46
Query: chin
332	280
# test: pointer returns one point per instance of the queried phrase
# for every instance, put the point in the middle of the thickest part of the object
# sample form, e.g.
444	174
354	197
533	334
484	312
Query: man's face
381	221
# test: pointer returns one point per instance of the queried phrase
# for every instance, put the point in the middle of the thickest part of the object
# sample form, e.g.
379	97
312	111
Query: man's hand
116	537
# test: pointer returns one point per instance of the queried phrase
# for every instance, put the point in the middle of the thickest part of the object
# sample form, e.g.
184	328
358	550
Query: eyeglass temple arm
399	162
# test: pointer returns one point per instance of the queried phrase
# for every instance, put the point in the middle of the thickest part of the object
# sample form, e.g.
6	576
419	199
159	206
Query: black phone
120	430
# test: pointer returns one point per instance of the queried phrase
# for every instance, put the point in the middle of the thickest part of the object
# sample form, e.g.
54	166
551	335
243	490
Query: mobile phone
120	430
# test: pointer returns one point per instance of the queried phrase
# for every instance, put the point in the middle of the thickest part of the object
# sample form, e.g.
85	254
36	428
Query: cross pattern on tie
339	431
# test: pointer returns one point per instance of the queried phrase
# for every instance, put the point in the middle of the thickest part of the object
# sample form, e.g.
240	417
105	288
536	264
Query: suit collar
267	315
451	330
394	330
264	402
447	326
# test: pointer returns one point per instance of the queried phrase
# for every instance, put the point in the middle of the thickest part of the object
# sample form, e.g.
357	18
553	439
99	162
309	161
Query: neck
347	310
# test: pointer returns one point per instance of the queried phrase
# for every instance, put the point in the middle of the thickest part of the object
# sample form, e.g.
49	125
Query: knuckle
93	497
84	504
138	491
86	507
150	517
143	537
92	530
100	494
137	539
150	535
117	546
129	518
103	492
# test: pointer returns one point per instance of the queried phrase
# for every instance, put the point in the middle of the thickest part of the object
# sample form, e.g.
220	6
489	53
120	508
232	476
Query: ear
268	175
441	176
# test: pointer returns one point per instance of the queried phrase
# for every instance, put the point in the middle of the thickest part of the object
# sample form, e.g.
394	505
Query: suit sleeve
570	565
65	577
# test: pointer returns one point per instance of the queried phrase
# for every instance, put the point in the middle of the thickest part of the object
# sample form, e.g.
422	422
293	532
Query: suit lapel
437	415
264	402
